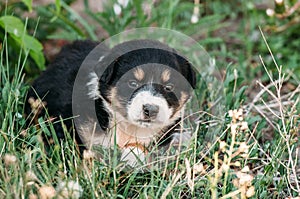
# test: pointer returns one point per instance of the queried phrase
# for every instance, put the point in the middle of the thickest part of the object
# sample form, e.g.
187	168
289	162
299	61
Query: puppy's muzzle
150	111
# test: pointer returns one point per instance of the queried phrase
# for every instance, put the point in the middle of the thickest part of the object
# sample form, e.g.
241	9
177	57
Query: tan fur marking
139	74
115	101
112	94
113	98
165	76
182	101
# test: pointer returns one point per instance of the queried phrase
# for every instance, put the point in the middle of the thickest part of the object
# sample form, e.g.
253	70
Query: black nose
150	111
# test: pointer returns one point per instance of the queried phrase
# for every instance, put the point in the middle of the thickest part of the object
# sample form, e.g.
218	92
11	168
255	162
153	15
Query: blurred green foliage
228	31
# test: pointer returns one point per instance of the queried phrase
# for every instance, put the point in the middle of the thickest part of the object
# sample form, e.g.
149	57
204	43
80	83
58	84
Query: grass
256	152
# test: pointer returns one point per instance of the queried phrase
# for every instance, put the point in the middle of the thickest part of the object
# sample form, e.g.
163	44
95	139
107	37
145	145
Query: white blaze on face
135	109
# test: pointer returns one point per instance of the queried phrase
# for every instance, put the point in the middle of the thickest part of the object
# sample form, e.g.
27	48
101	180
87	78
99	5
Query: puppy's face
148	87
150	95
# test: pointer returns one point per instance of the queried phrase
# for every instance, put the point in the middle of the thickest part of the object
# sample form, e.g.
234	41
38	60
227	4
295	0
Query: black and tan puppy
138	90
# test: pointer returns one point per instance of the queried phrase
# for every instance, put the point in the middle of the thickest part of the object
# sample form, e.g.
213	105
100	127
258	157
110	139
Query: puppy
131	95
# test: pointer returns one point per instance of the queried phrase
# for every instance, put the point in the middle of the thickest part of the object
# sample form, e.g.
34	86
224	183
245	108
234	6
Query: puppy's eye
133	84
169	87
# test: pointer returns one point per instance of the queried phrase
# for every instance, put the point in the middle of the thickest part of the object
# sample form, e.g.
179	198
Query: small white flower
244	148
244	178
16	32
250	192
237	164
117	9
47	192
9	159
245	169
235	73
18	115
230	113
233	128
270	12
33	196
88	154
240	112
30	176
198	168
194	18
70	189
236	114
223	146
244	126
225	167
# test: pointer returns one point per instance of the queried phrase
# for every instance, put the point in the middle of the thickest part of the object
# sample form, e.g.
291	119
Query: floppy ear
187	70
99	76
106	70
108	66
106	76
191	74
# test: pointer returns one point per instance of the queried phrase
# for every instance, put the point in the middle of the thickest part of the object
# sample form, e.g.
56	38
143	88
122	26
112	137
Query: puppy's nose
150	111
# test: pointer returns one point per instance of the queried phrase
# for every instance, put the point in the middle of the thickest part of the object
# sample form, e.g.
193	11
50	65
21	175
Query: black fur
55	85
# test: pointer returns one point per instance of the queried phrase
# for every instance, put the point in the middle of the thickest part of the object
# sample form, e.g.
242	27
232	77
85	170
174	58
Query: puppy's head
147	86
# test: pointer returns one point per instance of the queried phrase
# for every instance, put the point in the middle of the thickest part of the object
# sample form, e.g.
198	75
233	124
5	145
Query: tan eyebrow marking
112	96
183	98
139	74
165	76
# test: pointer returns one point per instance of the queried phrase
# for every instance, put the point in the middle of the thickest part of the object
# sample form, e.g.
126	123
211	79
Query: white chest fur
128	133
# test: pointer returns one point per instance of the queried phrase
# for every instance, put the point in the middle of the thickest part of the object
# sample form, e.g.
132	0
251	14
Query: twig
289	12
285	135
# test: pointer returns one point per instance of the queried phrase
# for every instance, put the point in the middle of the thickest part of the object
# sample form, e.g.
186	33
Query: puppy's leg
133	156
181	138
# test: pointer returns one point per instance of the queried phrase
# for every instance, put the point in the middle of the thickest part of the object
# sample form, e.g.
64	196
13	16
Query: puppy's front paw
180	138
133	156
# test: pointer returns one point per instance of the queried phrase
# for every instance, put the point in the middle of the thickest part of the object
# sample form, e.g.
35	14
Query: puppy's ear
188	71
191	74
105	69
106	77
100	76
